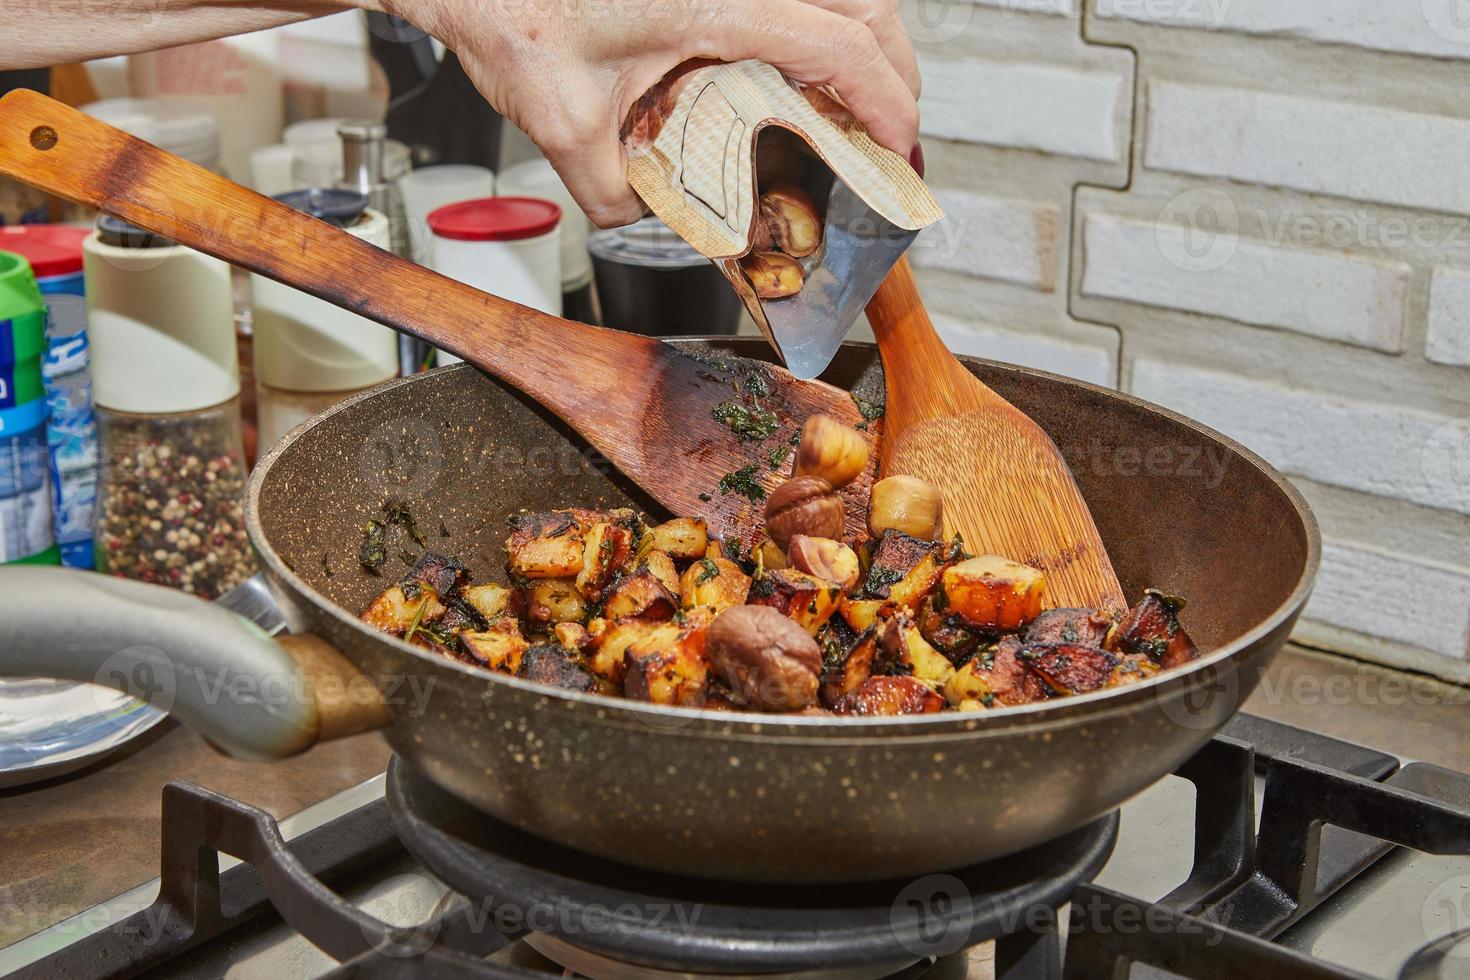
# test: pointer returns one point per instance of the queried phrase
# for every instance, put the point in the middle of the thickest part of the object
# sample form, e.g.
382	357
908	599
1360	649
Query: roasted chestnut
803	505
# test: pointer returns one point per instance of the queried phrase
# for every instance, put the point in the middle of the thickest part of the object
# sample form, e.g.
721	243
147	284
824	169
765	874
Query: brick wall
1256	212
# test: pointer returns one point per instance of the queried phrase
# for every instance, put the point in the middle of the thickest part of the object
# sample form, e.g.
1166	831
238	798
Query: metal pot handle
252	696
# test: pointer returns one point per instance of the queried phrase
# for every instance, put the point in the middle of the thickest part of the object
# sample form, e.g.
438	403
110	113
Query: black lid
334	205
115	231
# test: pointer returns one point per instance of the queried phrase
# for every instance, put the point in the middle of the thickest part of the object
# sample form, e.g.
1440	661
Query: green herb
326	565
707	570
443	531
750	423
831	652
374	550
407	558
399	515
778	456
756	384
870	411
744	482
941	597
987	699
763	588
706	497
880	579
411	589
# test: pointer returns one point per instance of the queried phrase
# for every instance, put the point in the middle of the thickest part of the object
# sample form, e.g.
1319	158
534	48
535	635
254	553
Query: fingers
883	19
581	142
819	47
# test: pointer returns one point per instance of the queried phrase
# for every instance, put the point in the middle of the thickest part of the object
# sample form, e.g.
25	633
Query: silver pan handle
251	696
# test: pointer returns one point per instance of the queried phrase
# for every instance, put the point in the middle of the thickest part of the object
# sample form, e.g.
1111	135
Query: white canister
507	246
536	178
161	321
310	353
428	189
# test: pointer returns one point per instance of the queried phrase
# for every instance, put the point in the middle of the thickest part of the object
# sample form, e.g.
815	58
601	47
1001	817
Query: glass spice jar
171	499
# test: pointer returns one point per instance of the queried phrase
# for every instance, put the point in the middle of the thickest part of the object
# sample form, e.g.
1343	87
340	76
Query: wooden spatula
654	412
1005	485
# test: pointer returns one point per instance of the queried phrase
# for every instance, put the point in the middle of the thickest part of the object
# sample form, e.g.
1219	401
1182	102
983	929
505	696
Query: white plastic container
428	189
310	354
178	125
508	246
536	178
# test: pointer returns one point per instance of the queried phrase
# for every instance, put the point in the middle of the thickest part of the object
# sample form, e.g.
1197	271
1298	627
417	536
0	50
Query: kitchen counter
76	841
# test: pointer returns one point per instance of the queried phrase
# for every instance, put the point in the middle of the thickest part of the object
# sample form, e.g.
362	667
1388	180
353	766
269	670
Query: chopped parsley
756	384
750	423
744	482
870	411
778	456
707	570
706	497
374	550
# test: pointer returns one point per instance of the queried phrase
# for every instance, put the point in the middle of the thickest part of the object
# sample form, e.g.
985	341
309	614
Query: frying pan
732	796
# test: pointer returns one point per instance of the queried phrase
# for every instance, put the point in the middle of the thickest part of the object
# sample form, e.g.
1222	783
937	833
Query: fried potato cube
905	651
439	572
809	600
992	593
545	545
548	664
392	611
861	614
1085	626
683	538
1132	668
500	648
1068	668
606	547
1152	628
894	695
947	633
639	594
903	569
571	636
668	665
714	582
488	600
555	600
661	564
995	675
849	668
610	645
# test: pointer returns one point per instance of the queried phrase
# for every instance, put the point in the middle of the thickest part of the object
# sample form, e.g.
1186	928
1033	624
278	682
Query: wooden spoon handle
72	155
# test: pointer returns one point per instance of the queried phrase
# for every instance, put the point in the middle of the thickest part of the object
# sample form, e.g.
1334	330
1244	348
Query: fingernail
916	159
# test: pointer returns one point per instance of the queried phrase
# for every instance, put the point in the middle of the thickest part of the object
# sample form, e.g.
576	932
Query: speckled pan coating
748	797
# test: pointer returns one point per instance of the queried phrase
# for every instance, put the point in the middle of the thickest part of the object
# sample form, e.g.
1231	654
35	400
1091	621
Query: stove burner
686	925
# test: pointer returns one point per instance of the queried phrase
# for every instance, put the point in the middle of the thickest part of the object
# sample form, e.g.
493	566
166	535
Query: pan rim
942	726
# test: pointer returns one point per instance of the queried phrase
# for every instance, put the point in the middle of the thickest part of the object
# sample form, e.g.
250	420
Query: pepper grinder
362	171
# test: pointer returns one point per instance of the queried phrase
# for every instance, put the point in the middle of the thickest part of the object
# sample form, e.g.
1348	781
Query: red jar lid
495	219
52	250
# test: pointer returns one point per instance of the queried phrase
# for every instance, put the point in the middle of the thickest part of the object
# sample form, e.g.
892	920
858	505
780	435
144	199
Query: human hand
568	71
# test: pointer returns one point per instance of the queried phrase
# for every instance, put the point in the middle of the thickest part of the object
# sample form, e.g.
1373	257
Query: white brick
1081	361
1449	317
1424	27
1023	105
1061	8
1407	159
993	237
1375	448
1394	597
1321	294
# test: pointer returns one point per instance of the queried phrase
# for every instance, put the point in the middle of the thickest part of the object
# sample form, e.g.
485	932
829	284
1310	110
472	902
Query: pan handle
252	696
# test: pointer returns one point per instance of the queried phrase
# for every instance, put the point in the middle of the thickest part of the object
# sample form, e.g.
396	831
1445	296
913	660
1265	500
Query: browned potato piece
668	666
555	600
770	555
605	549
846	673
1132	668
488	600
545	545
501	648
553	666
860	614
1068	668
638	593
890	696
993	593
393	612
904	569
682	539
904	647
1152	628
995	676
1085	626
661	565
608	658
715	582
808	600
439	572
947	633
571	636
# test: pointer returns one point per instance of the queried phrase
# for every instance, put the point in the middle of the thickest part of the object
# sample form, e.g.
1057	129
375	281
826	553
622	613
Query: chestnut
826	559
772	275
791	220
764	656
803	505
907	504
829	449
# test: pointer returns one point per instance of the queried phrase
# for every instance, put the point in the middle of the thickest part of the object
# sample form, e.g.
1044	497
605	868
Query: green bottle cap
22	332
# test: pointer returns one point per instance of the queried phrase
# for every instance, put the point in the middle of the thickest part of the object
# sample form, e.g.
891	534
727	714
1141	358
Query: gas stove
1274	852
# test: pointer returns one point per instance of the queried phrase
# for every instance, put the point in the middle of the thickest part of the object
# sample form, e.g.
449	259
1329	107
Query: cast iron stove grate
1329	810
